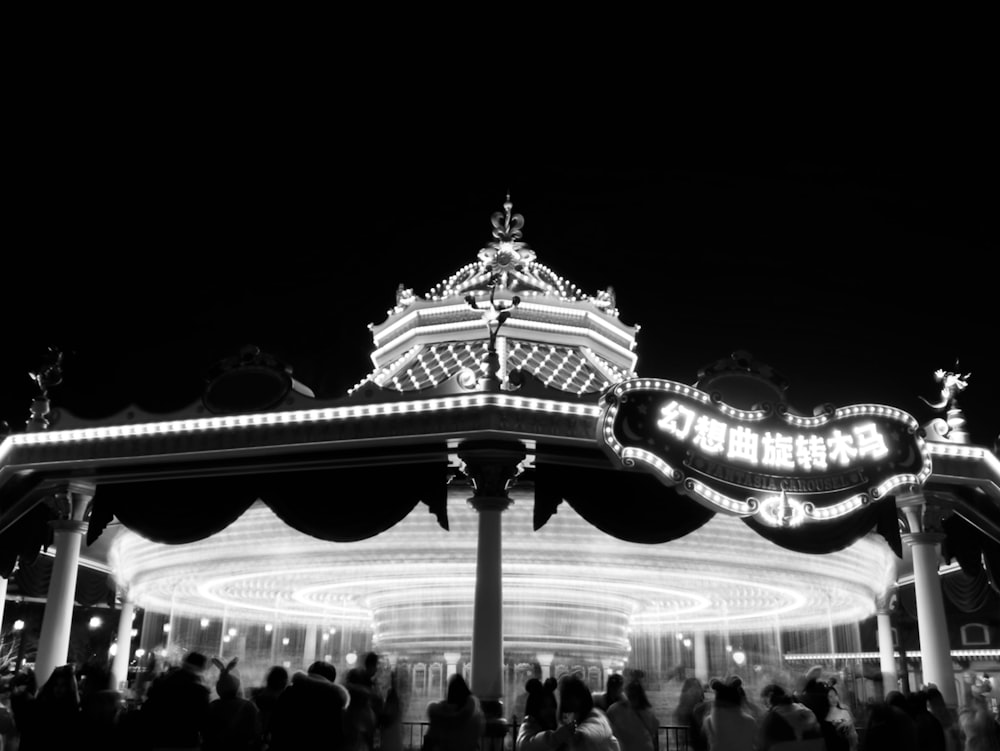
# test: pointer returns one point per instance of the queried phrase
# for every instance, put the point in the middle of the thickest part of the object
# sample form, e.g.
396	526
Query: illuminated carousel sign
786	469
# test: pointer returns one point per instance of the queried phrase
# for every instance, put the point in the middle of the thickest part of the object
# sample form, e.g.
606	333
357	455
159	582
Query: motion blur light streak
567	587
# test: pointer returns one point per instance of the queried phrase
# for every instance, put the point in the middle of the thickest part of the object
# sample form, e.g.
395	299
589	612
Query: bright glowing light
227	638
18	625
687	642
95	622
113	649
140	653
401	586
285	640
166	628
351	658
739	657
205	622
326	637
232	632
254	421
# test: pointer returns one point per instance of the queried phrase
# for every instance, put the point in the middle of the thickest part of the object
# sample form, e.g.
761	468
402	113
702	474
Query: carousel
504	496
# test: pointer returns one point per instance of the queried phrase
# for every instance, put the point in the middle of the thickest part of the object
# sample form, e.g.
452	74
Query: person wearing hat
728	727
233	722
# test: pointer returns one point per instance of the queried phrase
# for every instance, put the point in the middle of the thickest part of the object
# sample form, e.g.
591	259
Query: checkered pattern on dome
437	363
563	368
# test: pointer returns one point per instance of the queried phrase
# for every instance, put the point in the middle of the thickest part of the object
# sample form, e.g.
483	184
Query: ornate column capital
922	514
885	603
72	502
492	468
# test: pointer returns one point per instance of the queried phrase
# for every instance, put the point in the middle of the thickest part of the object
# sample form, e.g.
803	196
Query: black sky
855	260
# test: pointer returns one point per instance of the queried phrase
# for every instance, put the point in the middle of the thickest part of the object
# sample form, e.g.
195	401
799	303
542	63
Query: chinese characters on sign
773	450
820	467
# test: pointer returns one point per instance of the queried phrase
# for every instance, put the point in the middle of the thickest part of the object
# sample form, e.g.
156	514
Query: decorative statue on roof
952	384
47	375
953	430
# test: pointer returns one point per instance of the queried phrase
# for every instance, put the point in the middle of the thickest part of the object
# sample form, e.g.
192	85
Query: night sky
150	248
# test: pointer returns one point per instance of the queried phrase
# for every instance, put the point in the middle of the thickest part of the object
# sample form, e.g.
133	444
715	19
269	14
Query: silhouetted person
633	720
100	710
275	683
946	716
361	717
728	726
890	728
591	728
930	734
690	712
51	719
539	729
980	727
233	722
309	714
842	720
614	690
457	723
785	720
176	706
391	721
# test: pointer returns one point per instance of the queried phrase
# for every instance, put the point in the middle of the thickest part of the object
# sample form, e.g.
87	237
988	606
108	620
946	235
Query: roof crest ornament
507	252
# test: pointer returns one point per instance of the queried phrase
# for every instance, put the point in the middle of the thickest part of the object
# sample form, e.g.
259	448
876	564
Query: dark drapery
345	505
92	587
25	538
341	504
837	534
173	511
974	551
970	593
632	506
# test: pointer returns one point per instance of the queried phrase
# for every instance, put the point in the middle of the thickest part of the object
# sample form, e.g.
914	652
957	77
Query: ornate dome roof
536	322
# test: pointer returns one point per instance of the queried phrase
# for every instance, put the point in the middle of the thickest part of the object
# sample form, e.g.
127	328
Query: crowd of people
309	709
313	709
812	718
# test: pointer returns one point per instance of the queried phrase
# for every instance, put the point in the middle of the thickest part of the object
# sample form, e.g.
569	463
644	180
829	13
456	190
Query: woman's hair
277	678
693	686
728	692
637	694
458	690
536	694
574	696
772	693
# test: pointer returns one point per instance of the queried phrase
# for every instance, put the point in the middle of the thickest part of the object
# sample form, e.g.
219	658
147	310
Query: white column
451	660
119	667
701	656
309	648
53	643
545	663
3	597
932	625
487	616
886	652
